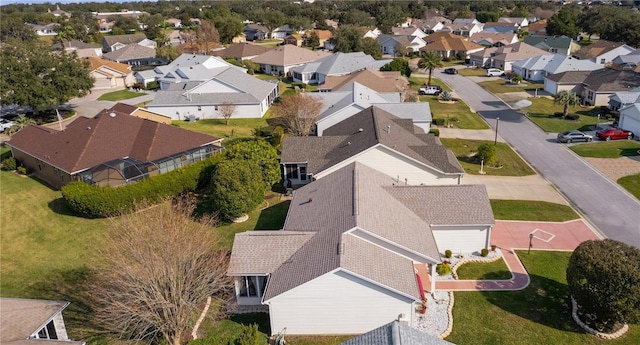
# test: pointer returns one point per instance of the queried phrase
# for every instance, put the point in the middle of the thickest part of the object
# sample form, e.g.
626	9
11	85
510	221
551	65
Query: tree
371	47
126	24
236	188
430	60
313	40
20	122
398	64
565	22
227	109
348	39
66	33
522	33
487	153
11	27
566	98
401	50
168	52
260	152
33	75
604	279
207	35
157	267
297	113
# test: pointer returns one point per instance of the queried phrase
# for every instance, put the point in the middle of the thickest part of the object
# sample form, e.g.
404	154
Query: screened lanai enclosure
124	171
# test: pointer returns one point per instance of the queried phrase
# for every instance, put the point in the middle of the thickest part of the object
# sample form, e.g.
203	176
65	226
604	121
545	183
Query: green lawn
120	95
510	163
237	128
484	271
541	113
632	184
539	314
503	86
610	149
472	72
531	210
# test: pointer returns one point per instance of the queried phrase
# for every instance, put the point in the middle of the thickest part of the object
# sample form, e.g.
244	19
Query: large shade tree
566	98
604	279
33	75
297	113
157	268
236	188
430	61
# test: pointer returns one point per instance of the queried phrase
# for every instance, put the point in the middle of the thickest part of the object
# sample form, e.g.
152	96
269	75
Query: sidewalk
472	134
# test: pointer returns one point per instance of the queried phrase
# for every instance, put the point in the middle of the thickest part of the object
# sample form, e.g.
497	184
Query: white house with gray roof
197	86
345	260
336	64
538	67
378	139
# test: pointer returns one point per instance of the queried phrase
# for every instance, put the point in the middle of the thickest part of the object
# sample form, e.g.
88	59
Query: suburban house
500	27
44	30
397	332
111	43
389	43
389	81
408	31
134	55
110	74
110	149
603	51
595	87
630	118
242	51
554	44
174	23
58	12
302	40
431	24
32	321
370	32
202	87
630	61
377	138
539	28
503	57
521	22
494	39
622	99
279	60
82	49
281	32
352	98
350	246
462	28
255	32
449	45
538	67
336	64
141	113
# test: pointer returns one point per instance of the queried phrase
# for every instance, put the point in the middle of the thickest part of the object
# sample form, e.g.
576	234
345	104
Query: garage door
102	84
461	241
630	124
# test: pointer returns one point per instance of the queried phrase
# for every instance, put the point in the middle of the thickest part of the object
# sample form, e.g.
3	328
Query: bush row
96	202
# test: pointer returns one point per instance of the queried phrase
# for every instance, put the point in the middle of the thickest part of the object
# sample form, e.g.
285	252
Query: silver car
573	135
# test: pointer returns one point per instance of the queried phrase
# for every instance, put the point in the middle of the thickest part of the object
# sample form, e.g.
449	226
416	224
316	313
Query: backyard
509	163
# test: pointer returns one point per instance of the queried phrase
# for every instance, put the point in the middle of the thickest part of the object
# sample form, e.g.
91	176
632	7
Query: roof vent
360	130
112	114
88	127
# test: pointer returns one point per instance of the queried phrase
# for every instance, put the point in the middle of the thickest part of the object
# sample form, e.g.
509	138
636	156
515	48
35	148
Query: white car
5	124
494	72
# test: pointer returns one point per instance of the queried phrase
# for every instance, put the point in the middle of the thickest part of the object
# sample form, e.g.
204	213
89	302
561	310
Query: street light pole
597	121
495	141
530	244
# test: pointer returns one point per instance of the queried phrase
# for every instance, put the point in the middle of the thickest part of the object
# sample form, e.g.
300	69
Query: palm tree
19	123
429	61
566	98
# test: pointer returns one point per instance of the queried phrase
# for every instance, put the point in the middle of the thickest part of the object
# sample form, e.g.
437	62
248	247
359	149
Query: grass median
509	163
532	210
610	149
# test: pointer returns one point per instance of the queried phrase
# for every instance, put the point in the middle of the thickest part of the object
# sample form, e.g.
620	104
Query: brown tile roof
322	34
441	41
124	108
391	81
493	37
517	51
288	55
87	142
244	49
96	63
596	49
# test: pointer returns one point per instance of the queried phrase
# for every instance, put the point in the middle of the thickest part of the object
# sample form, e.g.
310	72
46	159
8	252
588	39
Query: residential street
605	204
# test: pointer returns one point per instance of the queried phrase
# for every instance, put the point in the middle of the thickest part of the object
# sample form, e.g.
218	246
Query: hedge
96	202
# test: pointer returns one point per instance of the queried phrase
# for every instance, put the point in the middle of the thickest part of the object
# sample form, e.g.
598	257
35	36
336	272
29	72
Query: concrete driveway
610	208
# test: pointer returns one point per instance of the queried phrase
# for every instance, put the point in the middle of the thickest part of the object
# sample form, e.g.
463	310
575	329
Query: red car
613	133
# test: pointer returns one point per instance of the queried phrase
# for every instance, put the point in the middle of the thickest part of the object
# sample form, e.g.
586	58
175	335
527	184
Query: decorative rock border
497	256
606	336
447	332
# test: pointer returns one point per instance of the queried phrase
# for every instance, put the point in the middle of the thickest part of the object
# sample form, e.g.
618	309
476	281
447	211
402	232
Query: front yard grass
510	163
610	149
532	210
472	72
541	113
237	128
496	270
539	314
632	184
120	95
503	86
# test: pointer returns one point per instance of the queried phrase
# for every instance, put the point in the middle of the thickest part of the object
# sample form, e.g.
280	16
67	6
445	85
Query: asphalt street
613	211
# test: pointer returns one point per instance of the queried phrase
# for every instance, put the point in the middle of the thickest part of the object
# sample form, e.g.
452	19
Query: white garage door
102	84
550	86
461	241
630	124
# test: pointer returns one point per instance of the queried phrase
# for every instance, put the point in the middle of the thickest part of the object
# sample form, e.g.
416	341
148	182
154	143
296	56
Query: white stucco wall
461	239
181	112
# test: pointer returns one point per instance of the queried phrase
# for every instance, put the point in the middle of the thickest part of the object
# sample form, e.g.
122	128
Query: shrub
236	188
447	253
484	252
438	122
153	85
573	117
443	269
446	96
249	335
299	85
9	164
23	170
260	152
488	153
434	131
96	202
516	79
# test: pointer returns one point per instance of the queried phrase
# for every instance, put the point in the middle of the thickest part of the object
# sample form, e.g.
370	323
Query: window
199	108
554	50
303	173
252	286
291	171
602	61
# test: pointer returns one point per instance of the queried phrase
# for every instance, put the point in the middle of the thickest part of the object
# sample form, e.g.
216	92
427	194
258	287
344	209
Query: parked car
430	90
450	70
5	124
494	72
613	133
573	135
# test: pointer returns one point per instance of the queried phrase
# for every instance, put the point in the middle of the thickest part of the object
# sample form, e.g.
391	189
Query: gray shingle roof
379	127
546	42
124	39
133	51
341	63
569	77
395	333
610	80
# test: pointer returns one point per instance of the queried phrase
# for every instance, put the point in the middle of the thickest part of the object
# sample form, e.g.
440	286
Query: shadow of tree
272	218
59	206
544	301
261	319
